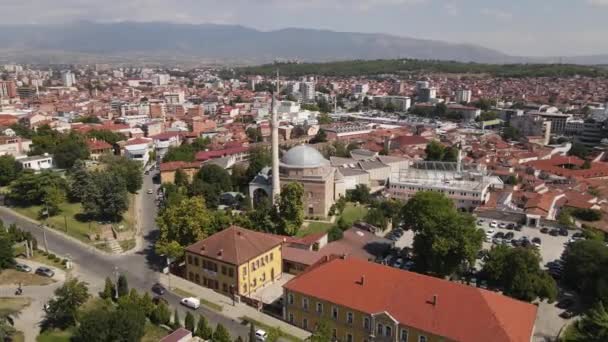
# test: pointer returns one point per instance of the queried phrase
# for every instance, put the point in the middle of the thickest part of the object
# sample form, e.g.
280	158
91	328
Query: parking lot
551	247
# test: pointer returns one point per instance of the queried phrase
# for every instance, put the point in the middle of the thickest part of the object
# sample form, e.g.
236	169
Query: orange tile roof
461	313
235	245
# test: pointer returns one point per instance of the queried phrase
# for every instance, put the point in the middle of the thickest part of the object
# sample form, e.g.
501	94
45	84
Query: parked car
544	230
511	226
493	224
509	235
502	225
45	272
260	335
519	227
408	265
563	232
191	302
554	232
398	263
490	231
565	303
23	267
150	191
515	243
158	289
499	235
578	235
567	314
536	242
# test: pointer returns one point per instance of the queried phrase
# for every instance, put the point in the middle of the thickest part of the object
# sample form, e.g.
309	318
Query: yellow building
167	170
235	261
364	302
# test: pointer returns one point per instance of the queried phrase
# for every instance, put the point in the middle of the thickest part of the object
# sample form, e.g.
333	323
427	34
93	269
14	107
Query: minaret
276	185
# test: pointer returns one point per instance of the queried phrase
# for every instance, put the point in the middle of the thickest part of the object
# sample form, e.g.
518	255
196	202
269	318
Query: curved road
139	267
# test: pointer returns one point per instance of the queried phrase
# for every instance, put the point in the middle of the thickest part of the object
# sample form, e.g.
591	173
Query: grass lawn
210	305
76	228
570	333
267	328
55	336
313	228
10	305
153	333
353	213
14	277
127	244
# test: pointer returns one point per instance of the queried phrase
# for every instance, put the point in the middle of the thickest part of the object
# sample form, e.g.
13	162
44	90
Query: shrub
52	256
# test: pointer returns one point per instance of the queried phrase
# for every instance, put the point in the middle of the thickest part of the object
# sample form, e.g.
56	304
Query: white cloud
451	9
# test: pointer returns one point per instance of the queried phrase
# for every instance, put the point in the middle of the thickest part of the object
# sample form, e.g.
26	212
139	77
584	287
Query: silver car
23	267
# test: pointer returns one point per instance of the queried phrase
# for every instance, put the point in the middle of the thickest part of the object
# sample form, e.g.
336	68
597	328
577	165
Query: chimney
220	252
362	281
202	248
435	300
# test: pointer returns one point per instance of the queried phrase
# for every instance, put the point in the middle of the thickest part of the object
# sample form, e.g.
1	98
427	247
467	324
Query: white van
191	302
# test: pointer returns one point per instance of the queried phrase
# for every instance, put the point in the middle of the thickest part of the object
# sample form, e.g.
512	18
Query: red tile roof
174	165
235	245
95	145
206	155
461	313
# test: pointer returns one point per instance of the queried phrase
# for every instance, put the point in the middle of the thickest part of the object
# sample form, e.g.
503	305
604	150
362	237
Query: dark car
536	241
567	314
554	232
509	235
519	227
544	230
511	226
159	289
45	272
578	235
563	232
565	303
499	235
516	243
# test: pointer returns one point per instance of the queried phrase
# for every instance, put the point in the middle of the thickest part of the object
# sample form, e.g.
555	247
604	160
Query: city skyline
522	28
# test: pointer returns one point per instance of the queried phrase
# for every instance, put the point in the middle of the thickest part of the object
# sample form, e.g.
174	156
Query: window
291	318
305	303
267	258
223	270
421	338
224	287
263	277
334	312
290	298
197	278
190	259
366	324
244	271
403	337
334	333
191	276
349	318
195	261
304	323
320	307
271	256
231	272
388	331
379	329
349	338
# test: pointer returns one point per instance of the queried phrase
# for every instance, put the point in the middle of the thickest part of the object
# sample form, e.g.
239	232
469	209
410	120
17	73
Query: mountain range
210	43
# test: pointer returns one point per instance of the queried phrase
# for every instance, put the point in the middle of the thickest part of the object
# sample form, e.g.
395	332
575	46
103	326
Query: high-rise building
68	78
463	96
307	89
427	94
8	89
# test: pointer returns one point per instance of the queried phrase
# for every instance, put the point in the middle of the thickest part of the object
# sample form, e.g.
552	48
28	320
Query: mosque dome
303	156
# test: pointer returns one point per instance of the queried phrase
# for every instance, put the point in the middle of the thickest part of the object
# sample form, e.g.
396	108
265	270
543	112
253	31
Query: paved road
140	267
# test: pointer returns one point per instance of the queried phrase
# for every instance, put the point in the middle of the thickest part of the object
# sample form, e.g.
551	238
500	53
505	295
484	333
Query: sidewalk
236	311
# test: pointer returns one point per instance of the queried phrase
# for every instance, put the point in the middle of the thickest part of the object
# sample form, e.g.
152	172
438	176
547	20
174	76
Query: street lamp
116	280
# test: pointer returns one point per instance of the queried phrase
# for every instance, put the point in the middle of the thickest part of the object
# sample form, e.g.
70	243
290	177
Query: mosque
322	183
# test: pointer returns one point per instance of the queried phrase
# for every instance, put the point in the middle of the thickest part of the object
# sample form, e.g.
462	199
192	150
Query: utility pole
43	226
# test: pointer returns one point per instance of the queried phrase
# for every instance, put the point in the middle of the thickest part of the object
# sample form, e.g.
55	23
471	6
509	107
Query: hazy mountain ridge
231	43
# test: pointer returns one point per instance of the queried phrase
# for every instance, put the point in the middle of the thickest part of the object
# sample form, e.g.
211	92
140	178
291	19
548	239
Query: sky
516	27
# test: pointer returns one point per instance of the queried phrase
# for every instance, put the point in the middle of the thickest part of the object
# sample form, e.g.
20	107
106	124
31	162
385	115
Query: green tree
189	322
203	330
129	171
128	322
9	169
7	252
274	334
108	290
177	323
291	207
434	151
106	197
254	135
259	157
511	133
80	180
377	218
123	286
334	234
322	333
450	155
578	150
216	175
181	179
324	119
108	136
184	223
68	150
565	218
360	194
517	272
53	197
7	329
221	334
161	314
584	269
239	178
62	310
95	326
320	137
593	326
30	188
444	239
